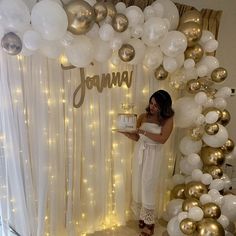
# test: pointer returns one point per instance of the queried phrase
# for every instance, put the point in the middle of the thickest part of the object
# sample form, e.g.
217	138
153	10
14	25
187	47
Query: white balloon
153	57
32	40
188	179
174	43
116	42
211	45
80	52
126	35
218	139
186	112
136	31
202	70
220	103
188	146
189	63
206	179
115	59
170	64
174	207
206	36
102	52
209	102
14	15
223	92
49	19
228	207
214	193
200	120
211	117
106	32
158	8
135	15
171	13
120	7
182	215
197	174
200	98
93	32
51	49
195	213
205	198
223	220
67	39
149	12
173	228
211	62
217	184
177	179
194	159
154	29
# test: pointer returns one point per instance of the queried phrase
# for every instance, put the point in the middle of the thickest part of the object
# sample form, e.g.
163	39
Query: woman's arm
165	132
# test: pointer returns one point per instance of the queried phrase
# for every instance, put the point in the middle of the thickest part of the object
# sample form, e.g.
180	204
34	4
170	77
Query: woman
153	129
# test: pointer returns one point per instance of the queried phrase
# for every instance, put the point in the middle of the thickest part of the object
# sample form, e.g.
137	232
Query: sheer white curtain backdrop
62	169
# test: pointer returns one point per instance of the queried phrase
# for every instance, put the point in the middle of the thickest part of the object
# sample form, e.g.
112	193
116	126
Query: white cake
126	122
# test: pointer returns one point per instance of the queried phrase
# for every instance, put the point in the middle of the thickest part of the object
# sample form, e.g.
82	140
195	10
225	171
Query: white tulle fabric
62	170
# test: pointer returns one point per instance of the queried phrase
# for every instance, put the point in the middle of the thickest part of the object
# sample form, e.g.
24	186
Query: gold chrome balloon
209	226
228	147
212	129
211	210
219	74
111	9
100	10
189	203
195	52
11	43
193	86
225	117
192	31
178	191
195	189
196	133
188	226
81	16
191	16
160	73
212	156
120	22
215	171
126	52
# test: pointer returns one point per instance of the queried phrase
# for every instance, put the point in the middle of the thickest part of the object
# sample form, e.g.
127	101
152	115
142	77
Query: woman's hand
141	131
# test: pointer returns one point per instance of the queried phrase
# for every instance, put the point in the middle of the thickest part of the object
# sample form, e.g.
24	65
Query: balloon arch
173	48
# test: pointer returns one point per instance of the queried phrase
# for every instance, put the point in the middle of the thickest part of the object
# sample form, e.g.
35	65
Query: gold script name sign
100	82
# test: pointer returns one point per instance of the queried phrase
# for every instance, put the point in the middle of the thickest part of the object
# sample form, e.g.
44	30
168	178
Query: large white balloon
153	57
154	29
49	19
186	112
80	52
14	15
173	228
135	15
174	43
218	139
188	146
170	12
228	207
32	40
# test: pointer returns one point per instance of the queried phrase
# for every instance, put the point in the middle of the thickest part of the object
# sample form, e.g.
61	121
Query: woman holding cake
153	129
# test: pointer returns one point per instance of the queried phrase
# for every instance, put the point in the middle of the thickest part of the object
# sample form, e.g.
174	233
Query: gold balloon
193	86
188	226
81	16
120	22
211	210
219	74
178	191
212	156
160	73
196	133
126	52
189	203
192	31
111	9
212	129
100	10
209	226
215	171
228	147
225	117
195	52
191	16
195	189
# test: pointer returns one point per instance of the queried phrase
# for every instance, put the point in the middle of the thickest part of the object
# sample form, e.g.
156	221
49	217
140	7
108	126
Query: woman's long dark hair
164	102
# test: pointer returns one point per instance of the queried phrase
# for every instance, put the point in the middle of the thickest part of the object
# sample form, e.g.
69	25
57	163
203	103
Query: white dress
146	169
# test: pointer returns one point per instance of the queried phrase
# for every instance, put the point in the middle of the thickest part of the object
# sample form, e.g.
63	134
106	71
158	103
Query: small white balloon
106	32
205	198
200	119
197	174
135	15
188	146
182	215
200	98
224	92
195	213
177	179
211	45
149	12
217	184
202	70
206	36
189	63
220	103
211	117
120	7
206	179
170	64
